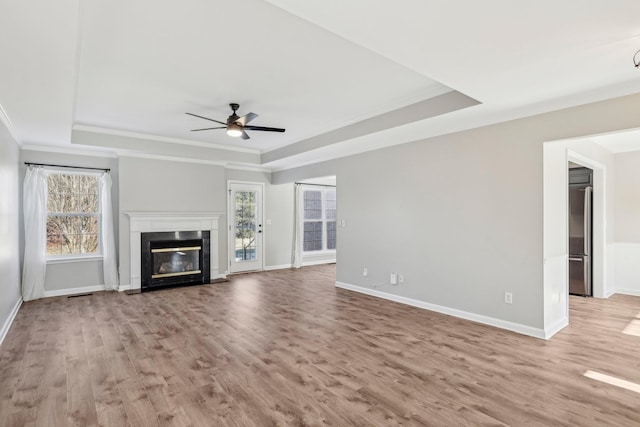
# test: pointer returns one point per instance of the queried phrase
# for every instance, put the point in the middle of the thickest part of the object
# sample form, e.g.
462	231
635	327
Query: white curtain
109	262
298	230
35	233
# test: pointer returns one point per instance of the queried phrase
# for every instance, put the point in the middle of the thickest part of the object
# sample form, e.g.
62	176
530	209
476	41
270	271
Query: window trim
98	255
63	259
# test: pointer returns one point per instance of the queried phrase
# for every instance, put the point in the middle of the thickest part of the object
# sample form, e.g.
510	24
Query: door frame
231	217
599	261
555	207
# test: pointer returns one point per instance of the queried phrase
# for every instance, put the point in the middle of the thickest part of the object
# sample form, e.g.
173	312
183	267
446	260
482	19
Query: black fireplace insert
175	259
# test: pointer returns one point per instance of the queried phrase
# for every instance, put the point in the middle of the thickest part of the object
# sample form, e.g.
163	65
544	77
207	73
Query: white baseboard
632	292
498	323
626	274
73	291
608	293
319	262
278	267
555	328
123	288
7	324
219	276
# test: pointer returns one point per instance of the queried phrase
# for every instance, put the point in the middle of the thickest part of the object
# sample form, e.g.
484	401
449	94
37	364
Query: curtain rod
64	166
317	185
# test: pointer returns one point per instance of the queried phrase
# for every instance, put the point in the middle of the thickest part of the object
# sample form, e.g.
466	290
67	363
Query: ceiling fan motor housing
233	117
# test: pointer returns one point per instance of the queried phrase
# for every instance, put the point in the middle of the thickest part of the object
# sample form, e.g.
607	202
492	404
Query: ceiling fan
236	125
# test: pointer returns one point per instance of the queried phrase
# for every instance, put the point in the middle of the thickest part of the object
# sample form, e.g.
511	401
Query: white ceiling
135	67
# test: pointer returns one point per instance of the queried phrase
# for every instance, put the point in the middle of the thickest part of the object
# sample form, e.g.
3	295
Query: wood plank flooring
288	348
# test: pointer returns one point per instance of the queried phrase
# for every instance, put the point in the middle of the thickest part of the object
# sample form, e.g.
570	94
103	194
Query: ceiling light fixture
636	59
234	130
234	125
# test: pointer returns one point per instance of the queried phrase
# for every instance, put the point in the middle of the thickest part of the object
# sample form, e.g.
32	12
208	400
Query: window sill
73	259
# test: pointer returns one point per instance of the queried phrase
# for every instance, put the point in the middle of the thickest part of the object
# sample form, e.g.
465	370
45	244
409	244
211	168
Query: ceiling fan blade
262	128
206	118
219	127
245	135
246	118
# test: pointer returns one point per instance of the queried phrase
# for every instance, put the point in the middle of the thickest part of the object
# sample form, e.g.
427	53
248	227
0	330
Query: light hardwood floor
288	348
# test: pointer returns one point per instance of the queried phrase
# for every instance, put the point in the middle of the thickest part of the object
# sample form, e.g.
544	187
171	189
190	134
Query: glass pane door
245	203
246	225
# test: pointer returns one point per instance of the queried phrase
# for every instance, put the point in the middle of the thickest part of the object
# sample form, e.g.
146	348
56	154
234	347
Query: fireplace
169	222
174	258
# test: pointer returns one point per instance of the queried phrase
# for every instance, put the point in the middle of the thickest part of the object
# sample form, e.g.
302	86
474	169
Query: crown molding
115	132
190	160
68	150
4	118
247	168
125	154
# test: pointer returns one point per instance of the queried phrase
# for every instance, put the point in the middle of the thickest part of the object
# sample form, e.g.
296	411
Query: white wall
459	215
555	216
72	276
10	293
627	220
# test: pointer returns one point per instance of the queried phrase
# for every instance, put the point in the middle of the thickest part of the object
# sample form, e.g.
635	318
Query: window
319	232
73	215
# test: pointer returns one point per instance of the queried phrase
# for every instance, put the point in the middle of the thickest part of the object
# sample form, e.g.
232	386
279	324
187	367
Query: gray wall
10	293
160	185
459	215
279	238
72	274
458	222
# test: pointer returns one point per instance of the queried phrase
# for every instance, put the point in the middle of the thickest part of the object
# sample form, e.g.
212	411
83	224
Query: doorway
556	155
245	226
580	229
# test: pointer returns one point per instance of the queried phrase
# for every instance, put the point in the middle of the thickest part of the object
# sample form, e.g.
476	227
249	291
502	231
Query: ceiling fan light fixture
236	126
234	130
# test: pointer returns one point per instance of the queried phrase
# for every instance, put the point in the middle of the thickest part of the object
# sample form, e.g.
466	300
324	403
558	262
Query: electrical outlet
400	278
508	298
365	272
393	278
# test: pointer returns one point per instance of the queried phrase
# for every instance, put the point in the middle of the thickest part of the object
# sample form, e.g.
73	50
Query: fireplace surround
174	258
153	222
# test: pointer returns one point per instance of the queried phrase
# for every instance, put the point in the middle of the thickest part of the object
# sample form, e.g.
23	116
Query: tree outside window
73	214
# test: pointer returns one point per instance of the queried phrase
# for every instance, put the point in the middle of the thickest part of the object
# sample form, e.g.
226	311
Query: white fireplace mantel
148	222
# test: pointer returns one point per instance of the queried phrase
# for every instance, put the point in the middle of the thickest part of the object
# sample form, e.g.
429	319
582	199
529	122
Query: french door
245	226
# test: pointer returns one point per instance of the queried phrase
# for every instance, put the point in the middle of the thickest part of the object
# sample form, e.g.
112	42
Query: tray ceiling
120	75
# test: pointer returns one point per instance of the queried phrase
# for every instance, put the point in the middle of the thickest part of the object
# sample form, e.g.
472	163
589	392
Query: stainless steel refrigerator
580	230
